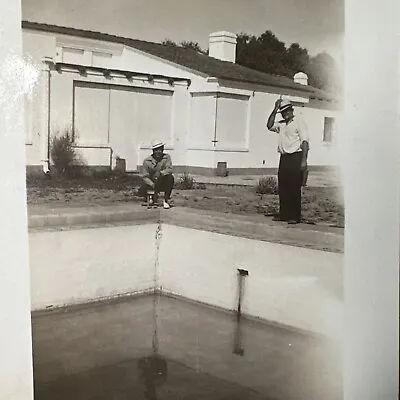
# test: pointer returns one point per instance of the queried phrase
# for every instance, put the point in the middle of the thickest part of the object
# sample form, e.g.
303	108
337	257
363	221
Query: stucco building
119	94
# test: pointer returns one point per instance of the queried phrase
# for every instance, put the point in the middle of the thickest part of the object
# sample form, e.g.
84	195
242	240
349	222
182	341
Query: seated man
157	173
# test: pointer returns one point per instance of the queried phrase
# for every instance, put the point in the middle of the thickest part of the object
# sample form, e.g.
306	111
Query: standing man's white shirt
291	135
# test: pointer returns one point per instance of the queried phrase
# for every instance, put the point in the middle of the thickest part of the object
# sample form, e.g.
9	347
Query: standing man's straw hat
285	105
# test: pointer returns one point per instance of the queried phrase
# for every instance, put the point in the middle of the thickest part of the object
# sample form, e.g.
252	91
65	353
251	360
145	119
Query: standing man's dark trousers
289	183
165	184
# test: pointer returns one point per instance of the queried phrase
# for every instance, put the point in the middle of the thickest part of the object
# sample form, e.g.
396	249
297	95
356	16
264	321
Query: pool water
158	347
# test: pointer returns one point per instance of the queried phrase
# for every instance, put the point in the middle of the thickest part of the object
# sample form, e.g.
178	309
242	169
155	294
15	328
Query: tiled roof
188	58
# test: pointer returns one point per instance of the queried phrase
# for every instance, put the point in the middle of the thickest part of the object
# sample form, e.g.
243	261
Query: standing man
157	173
293	146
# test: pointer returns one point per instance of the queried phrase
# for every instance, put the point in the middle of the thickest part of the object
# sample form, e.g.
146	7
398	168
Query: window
231	121
91	113
329	126
202	121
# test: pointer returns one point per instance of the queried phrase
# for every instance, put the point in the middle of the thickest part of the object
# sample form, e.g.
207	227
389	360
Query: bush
267	185
187	182
65	159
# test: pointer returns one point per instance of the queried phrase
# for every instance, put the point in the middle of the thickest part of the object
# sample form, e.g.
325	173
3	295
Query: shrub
65	159
185	182
267	185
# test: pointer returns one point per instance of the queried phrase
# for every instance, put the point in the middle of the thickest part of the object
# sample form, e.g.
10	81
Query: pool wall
82	265
288	285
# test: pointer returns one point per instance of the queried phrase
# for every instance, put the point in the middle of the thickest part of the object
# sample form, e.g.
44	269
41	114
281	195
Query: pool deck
257	227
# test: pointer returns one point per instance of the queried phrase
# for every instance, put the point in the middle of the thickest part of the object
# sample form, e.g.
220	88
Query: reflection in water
153	372
238	338
153	369
238	347
167	349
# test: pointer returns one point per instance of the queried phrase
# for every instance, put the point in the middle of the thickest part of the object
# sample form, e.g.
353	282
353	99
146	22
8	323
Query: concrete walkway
316	179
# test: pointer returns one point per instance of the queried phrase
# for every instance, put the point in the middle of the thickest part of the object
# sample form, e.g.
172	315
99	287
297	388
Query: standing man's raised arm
271	118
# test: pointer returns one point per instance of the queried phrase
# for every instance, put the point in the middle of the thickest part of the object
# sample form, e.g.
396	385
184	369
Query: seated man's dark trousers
164	183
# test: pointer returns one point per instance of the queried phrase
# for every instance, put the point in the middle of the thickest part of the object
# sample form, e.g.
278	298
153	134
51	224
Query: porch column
16	381
370	145
44	114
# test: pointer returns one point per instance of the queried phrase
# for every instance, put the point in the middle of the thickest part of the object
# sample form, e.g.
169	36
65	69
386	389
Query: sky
317	25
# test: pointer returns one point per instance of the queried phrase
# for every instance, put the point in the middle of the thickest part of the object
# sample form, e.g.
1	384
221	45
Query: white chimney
301	78
222	45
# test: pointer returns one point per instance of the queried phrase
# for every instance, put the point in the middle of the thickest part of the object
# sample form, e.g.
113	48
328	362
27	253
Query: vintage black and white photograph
185	198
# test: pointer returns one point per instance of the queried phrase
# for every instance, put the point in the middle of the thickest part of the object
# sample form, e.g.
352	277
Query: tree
186	44
297	58
266	53
189	44
168	42
246	50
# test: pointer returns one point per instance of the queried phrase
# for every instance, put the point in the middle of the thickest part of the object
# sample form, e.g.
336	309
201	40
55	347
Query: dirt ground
320	205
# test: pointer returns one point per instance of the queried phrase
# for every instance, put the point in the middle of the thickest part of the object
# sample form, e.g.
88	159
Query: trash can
120	165
222	169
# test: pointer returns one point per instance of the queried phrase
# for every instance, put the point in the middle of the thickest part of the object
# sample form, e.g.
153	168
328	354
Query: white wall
72	267
16	378
321	153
